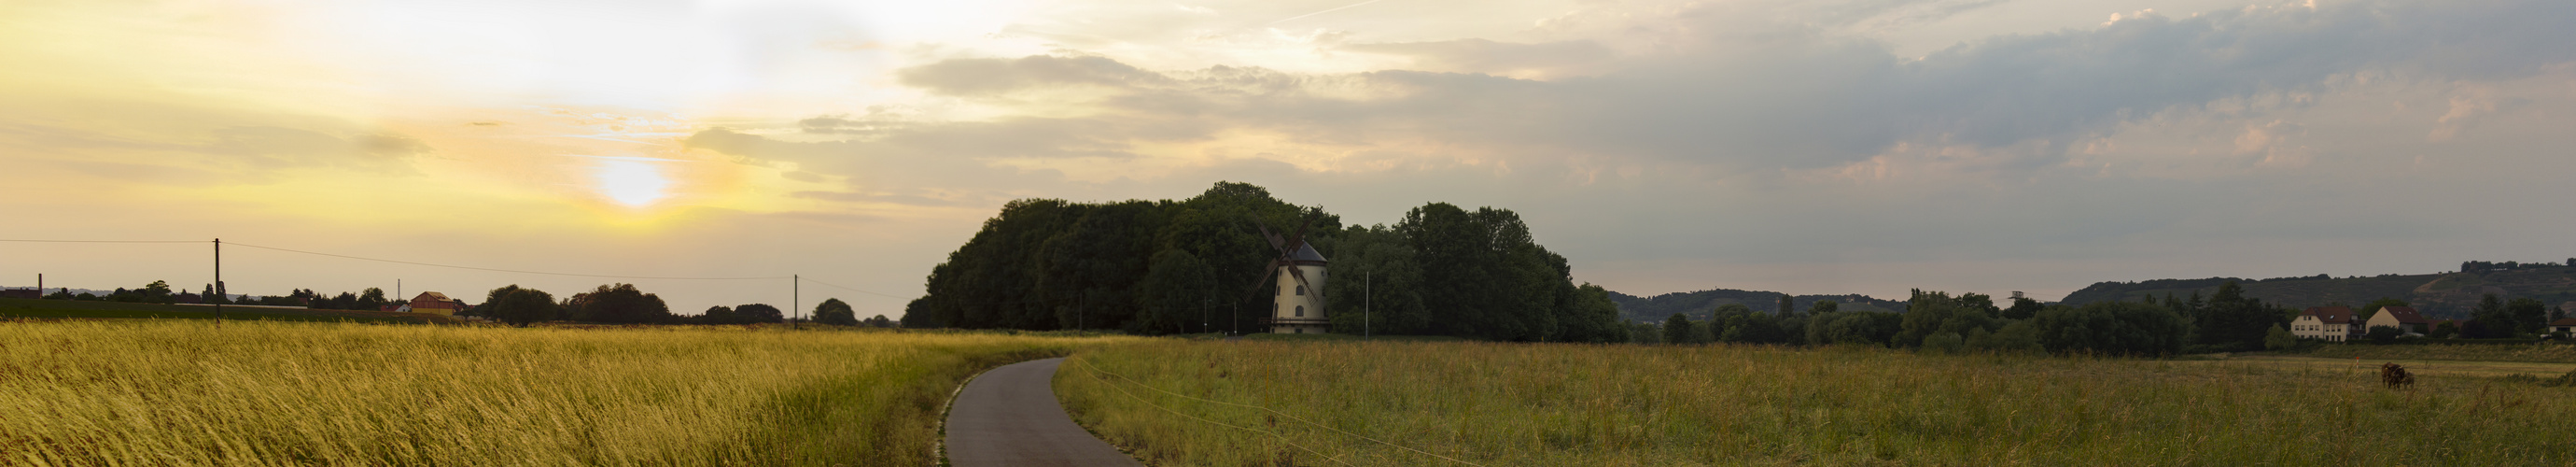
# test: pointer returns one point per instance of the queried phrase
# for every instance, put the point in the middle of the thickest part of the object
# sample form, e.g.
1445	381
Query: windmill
1298	272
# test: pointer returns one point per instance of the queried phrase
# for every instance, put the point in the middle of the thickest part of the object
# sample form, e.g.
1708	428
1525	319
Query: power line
852	289
510	270
104	241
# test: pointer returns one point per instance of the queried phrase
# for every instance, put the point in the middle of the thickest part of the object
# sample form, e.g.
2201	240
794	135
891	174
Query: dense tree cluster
1200	265
2484	266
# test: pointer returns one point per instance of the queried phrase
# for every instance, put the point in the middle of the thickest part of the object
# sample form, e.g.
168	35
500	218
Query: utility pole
1368	293
40	286
398	290
219	278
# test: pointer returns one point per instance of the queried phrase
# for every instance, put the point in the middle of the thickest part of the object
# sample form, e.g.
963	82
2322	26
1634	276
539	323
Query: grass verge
162	392
1416	403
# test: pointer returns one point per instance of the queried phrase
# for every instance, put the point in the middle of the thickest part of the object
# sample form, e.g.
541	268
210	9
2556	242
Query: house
2329	323
22	293
2405	319
2567	325
433	302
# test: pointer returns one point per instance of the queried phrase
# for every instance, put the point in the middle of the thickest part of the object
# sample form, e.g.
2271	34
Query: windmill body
1298	307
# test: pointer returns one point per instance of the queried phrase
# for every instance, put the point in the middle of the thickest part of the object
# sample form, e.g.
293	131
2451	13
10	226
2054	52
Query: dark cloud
1796	97
980	76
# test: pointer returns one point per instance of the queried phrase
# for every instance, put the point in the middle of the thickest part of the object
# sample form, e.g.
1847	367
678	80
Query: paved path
1009	417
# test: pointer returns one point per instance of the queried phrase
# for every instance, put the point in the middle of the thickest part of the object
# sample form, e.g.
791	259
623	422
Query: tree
1932	313
1677	330
156	292
832	311
520	306
917	314
2279	338
371	299
2493	320
759	313
2233	321
878	321
2125	328
2446	330
1787	305
2529	315
2024	308
1178	290
1821	306
2383	334
619	303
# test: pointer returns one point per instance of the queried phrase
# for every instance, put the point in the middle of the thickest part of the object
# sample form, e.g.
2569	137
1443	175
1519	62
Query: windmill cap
1306	252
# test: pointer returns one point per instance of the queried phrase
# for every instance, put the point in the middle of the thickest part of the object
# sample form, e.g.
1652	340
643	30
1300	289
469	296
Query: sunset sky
1812	147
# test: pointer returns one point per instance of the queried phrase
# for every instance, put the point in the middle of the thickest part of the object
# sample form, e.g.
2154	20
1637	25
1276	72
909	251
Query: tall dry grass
166	392
1520	404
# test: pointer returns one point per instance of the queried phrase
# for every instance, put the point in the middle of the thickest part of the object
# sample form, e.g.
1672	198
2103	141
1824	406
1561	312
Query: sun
632	183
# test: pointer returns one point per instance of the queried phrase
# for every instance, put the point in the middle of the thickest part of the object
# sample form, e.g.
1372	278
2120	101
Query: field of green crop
1418	403
51	309
2537	353
182	392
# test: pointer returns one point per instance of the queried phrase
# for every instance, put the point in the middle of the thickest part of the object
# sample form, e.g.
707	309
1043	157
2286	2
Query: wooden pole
219	279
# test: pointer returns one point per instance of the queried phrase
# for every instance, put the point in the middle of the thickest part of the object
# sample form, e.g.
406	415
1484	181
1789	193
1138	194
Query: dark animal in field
2396	376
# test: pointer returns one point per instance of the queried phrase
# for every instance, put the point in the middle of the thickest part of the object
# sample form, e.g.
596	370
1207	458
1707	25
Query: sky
1810	147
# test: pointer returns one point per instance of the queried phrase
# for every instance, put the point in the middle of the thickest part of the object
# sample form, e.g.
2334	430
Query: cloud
1497	58
981	76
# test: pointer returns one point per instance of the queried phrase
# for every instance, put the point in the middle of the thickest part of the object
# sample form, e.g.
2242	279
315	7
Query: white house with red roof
2329	323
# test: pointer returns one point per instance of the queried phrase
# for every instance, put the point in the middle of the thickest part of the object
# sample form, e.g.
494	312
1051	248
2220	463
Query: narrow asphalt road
1009	417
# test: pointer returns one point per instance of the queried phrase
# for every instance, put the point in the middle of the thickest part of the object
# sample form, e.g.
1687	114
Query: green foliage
1821	306
2123	328
2024	308
835	312
1930	313
1376	285
2528	315
2446	330
1156	267
1946	343
619	303
1677	330
759	313
2383	334
2018	337
1868	328
520	306
2280	338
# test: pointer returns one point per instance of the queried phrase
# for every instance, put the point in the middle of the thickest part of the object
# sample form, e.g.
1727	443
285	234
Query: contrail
1344	7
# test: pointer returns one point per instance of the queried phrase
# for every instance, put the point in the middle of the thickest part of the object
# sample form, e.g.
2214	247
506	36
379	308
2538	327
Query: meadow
2536	353
1429	403
69	309
182	392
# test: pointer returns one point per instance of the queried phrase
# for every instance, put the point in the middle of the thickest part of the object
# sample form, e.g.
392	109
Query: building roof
2330	314
1306	252
435	297
2404	314
2564	322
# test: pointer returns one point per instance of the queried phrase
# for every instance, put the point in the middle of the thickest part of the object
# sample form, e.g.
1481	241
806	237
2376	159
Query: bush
2125	328
1945	343
2279	338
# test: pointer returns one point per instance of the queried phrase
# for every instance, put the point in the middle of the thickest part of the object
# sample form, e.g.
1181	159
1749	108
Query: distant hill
1698	304
2440	295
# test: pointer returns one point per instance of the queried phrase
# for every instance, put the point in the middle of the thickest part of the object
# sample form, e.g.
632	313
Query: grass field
180	392
2536	353
49	309
1415	403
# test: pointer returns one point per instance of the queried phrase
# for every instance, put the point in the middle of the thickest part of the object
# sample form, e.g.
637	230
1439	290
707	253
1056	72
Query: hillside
1698	304
2444	295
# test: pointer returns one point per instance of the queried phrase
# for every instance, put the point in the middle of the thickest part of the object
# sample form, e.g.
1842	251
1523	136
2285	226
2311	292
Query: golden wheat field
266	393
1413	403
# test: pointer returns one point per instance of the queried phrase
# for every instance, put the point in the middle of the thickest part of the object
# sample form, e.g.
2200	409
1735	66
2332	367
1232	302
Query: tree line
1200	265
624	304
1940	322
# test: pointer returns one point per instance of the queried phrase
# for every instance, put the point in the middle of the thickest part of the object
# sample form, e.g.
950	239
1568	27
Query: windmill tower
1297	276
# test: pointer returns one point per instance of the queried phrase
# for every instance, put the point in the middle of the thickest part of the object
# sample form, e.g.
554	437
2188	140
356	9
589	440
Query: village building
1299	307
2328	323
433	302
2566	325
2405	319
